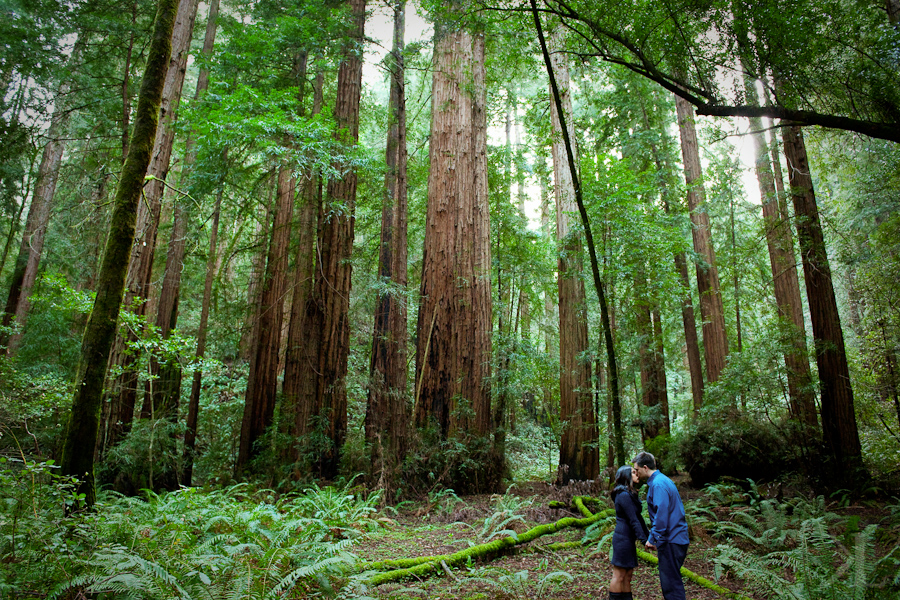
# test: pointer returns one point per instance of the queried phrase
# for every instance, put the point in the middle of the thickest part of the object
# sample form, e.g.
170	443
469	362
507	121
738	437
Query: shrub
739	448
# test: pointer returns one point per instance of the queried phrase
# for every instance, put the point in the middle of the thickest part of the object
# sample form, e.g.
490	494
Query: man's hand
650	546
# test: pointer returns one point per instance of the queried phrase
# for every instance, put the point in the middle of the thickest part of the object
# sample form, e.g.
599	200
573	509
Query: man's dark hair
645	459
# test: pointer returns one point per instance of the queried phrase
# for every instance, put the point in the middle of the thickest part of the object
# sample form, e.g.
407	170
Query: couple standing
668	534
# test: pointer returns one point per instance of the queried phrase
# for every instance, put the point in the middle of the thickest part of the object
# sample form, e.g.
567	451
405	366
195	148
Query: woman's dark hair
623	482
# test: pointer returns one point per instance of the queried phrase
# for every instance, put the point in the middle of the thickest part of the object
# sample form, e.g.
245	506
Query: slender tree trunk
893	11
27	262
126	82
662	387
257	272
589	238
83	425
786	285
332	284
838	416
190	434
387	414
167	389
578	452
453	352
259	404
715	342
140	264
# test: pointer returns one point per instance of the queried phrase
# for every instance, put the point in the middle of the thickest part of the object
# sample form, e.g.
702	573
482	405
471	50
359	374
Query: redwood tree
578	452
453	349
387	414
83	425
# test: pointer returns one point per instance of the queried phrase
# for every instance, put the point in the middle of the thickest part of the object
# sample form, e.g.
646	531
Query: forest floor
450	524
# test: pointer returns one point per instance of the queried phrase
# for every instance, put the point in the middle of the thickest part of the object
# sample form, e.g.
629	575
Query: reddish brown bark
453	351
578	452
715	342
259	403
838	416
387	414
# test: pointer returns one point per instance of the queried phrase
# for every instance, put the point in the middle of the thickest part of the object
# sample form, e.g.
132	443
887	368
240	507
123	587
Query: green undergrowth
244	542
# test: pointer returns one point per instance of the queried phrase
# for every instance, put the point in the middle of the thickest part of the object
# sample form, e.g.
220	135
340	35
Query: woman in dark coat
630	527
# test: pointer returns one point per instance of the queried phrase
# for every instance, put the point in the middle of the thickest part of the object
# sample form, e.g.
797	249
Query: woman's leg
618	580
626	584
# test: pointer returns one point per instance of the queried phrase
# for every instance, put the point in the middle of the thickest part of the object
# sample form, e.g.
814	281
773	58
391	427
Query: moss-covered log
423	565
83	426
414	567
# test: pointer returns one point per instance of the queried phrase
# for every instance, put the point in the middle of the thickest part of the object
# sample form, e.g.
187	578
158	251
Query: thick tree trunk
83	426
578	452
387	414
453	351
301	363
332	286
27	262
262	381
838	416
715	342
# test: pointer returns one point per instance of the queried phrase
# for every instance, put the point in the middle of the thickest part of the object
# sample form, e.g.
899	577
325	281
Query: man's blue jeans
671	559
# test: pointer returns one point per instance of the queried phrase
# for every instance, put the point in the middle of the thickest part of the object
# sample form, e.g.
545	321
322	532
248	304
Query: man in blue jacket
669	530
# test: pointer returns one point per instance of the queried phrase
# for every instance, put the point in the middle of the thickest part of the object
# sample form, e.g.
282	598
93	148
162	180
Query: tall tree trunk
578	452
27	262
386	412
190	434
332	286
167	389
126	81
589	238
662	387
715	342
83	425
140	264
838	416
262	382
787	286
453	351
301	363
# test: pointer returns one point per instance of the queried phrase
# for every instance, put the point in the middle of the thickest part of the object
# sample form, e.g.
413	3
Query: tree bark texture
83	426
786	285
301	363
589	238
332	285
715	341
190	433
167	389
578	453
140	264
262	381
839	428
387	414
28	260
453	351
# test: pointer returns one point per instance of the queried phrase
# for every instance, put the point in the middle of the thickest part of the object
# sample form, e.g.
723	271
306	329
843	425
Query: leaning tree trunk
167	390
140	264
578	451
589	238
715	342
262	381
838	416
83	425
453	350
386	411
332	286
